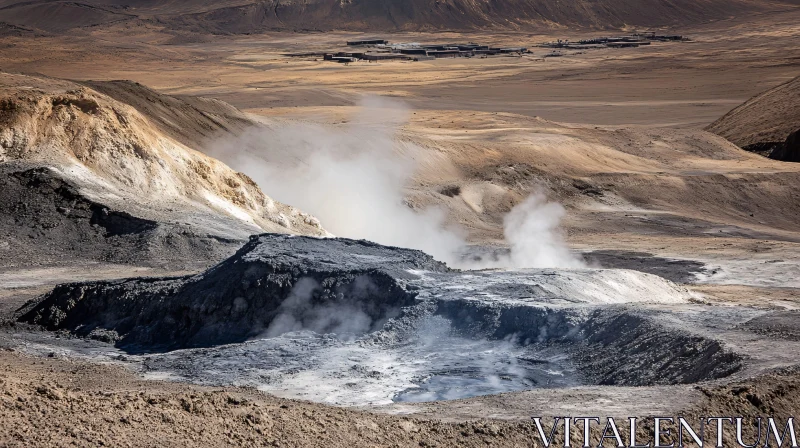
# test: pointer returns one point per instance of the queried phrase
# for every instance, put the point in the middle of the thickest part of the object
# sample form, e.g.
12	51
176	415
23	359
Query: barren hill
89	175
763	123
604	176
193	121
254	16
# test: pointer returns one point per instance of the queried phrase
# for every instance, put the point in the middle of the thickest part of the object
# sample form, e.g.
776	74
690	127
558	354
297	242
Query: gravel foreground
54	402
57	402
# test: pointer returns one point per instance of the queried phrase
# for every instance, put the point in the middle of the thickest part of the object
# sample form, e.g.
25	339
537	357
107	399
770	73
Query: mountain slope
193	121
763	123
451	14
254	16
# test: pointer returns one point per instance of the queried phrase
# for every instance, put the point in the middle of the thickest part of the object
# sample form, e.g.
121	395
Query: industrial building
368	42
629	41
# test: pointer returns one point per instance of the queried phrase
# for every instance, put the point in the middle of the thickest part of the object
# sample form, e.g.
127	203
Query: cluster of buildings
382	50
629	41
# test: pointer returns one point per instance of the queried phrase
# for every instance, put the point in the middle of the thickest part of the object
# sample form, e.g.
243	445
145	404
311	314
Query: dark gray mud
777	324
45	220
273	281
678	271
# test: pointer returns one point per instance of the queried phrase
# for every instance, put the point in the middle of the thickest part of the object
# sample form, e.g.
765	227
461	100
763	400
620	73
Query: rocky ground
56	402
52	402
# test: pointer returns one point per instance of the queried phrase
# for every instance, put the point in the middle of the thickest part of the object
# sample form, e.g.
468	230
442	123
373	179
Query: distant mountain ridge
254	16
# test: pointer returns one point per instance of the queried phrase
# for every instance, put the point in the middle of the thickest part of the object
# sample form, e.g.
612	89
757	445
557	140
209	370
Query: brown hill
83	172
763	123
254	16
193	121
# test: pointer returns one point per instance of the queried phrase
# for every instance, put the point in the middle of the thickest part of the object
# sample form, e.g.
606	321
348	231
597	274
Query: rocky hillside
192	121
254	16
72	156
765	122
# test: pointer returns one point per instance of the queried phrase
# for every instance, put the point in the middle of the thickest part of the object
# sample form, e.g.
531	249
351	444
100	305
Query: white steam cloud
352	179
532	233
347	317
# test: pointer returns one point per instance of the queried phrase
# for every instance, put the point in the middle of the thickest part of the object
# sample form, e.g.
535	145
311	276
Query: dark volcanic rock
273	283
789	151
37	202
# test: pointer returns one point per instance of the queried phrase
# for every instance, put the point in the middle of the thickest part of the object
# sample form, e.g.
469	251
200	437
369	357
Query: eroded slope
764	123
63	144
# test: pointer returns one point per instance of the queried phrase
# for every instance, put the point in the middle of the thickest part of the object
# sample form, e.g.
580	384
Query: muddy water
434	364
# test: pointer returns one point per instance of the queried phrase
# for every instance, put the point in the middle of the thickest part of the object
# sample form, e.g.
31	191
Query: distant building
368	42
385	56
622	44
512	50
417	51
444	53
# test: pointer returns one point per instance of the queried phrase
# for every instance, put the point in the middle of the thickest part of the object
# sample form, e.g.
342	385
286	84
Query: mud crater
353	323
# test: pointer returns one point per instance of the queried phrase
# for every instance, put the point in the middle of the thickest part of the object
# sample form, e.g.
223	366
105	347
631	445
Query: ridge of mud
239	298
627	349
610	346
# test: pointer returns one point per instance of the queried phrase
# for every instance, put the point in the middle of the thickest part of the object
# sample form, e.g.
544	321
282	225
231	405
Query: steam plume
353	180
